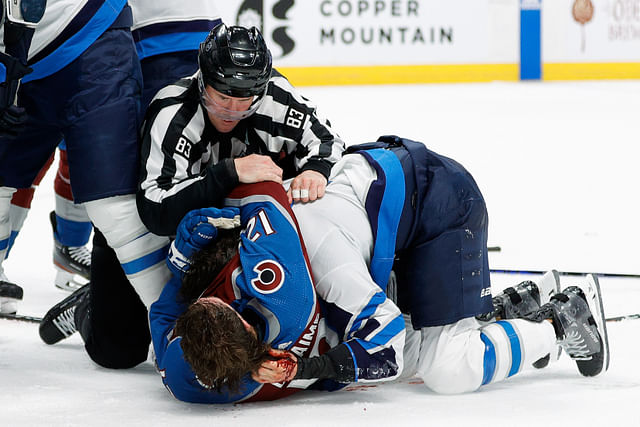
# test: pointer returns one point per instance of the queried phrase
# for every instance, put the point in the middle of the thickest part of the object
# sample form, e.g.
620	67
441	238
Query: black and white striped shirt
186	162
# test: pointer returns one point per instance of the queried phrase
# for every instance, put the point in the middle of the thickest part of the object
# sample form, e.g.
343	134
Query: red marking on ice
359	387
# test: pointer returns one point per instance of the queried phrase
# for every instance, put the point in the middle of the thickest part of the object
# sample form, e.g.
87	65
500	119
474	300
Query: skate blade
69	282
8	306
594	298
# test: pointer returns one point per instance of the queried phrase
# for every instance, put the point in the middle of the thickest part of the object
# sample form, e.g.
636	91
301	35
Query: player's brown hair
217	345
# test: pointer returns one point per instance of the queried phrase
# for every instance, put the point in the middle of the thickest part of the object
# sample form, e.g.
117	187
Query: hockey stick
625	317
34	319
21	317
567	273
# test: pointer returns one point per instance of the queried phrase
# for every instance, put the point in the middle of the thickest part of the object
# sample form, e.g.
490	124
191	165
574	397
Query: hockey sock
142	254
5	220
512	345
73	227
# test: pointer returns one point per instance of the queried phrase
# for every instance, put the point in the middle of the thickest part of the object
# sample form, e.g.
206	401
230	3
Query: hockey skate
519	301
10	295
60	321
578	319
525	298
71	262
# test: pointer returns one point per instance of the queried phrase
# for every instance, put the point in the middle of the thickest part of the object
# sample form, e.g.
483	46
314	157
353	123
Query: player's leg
101	312
10	293
107	188
23	158
525	298
468	354
443	276
142	254
21	204
71	231
465	355
104	339
6	194
103	166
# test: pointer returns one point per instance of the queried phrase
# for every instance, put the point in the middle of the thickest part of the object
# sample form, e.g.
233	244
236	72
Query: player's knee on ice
465	355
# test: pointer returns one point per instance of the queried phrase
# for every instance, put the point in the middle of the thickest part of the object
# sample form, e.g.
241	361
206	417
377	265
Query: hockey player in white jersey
74	93
167	36
16	32
433	234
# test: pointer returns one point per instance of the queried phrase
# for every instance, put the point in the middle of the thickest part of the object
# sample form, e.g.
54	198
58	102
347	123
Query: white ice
557	163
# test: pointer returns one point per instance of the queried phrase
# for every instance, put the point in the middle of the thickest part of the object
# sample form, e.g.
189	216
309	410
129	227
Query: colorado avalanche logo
270	277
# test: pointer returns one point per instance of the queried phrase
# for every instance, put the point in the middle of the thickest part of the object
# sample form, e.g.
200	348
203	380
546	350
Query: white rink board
383	32
607	32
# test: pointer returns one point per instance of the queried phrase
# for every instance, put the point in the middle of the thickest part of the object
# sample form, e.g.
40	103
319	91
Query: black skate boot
60	321
69	261
517	302
526	298
578	320
10	295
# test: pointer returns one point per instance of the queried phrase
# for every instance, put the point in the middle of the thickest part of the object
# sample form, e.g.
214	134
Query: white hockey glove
197	230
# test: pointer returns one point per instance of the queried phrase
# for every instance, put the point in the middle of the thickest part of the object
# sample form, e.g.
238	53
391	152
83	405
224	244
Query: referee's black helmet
235	61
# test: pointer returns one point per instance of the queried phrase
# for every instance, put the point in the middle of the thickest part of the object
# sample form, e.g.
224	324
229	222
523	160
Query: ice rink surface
558	165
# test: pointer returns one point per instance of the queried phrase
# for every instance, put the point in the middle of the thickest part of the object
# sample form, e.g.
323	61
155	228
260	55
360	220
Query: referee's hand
257	168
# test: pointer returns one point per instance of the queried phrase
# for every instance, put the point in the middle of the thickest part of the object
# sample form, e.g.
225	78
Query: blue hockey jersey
284	298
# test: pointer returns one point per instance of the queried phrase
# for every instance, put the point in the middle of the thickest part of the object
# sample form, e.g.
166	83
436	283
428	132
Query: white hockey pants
463	356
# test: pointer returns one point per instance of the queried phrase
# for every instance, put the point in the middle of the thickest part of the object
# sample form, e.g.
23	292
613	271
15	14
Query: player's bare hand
257	168
307	187
282	367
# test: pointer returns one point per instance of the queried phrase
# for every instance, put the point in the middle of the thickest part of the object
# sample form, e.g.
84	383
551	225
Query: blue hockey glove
196	231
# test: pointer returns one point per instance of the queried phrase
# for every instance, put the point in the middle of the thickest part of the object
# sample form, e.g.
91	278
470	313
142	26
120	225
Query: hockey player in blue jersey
269	284
268	280
437	230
